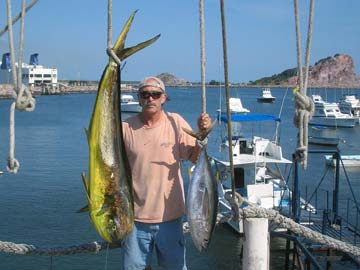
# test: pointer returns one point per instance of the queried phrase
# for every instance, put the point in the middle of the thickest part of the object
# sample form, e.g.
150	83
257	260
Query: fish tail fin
201	134
120	42
131	50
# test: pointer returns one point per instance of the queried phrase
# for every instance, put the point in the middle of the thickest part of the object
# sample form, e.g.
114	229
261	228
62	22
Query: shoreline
6	91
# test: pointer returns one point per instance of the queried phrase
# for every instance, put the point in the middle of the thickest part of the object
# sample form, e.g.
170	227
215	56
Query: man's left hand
204	121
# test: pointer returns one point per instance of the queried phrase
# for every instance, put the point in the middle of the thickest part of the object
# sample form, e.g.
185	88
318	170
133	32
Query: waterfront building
33	74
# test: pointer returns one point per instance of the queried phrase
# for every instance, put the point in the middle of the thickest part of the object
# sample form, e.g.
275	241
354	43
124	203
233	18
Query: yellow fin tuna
109	185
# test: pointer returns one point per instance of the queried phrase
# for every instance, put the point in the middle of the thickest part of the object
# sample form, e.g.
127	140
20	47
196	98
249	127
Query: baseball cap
152	81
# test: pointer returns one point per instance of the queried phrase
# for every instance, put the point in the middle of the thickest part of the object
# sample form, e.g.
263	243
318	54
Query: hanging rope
229	128
23	99
304	106
15	19
109	49
202	55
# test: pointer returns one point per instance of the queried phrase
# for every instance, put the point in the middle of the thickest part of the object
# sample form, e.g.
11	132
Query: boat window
239	177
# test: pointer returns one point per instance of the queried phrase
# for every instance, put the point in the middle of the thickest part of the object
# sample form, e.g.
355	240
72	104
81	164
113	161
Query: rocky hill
171	80
336	71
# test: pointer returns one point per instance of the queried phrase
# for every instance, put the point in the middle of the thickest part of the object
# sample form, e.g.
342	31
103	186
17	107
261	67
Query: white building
33	74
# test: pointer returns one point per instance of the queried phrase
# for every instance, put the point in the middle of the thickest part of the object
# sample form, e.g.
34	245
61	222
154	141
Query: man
155	143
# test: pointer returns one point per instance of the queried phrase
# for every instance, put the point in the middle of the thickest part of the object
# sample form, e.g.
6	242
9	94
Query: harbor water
39	203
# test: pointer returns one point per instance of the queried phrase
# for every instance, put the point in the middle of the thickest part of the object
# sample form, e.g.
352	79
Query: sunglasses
147	94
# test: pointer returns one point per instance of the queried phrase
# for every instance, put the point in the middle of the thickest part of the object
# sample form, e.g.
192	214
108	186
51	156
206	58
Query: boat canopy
250	117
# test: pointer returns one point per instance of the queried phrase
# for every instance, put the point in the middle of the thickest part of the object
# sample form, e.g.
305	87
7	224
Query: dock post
296	192
336	189
256	244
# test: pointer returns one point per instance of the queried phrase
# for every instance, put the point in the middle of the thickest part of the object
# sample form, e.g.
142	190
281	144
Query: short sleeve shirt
154	155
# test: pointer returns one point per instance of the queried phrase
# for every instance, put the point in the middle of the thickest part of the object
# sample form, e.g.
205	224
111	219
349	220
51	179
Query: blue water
39	204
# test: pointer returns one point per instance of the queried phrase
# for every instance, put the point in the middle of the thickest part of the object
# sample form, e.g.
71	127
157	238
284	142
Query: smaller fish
202	197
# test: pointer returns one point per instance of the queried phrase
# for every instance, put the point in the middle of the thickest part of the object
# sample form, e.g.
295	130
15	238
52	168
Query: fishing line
106	256
51	262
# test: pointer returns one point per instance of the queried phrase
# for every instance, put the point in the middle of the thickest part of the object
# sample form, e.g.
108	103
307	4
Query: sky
71	35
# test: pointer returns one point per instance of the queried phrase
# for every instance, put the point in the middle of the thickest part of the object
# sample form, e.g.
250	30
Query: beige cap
152	81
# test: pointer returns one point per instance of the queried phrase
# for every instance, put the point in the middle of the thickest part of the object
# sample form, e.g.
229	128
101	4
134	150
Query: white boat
128	104
328	114
266	96
347	160
257	163
350	104
236	106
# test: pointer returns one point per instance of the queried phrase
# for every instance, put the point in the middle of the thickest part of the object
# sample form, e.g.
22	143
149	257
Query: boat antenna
22	97
304	106
277	132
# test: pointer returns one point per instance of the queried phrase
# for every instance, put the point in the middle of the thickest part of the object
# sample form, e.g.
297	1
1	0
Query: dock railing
334	216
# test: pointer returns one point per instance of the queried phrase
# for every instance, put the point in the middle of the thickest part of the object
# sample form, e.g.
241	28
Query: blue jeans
166	238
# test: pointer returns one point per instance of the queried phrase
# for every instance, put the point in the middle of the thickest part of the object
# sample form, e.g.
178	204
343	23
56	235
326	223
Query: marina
257	198
58	141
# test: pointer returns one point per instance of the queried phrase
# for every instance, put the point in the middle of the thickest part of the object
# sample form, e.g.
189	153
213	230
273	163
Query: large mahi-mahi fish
109	189
202	197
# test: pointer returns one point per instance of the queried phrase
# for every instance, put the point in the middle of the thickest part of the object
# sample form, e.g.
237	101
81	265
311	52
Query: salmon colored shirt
154	155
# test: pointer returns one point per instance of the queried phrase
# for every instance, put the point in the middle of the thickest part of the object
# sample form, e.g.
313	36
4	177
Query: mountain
171	80
336	71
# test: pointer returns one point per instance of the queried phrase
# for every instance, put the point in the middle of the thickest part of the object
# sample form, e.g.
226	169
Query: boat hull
131	107
333	122
328	141
266	100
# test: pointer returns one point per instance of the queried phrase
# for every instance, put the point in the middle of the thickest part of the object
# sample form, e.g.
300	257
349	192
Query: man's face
151	98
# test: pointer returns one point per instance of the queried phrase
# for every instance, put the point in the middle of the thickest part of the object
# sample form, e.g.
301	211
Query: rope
246	212
202	55
13	164
304	106
227	92
109	50
287	223
15	19
25	249
21	94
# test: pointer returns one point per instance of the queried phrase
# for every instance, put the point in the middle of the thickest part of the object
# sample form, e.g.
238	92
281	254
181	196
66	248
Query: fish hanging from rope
202	196
109	184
